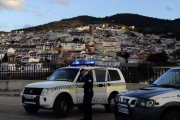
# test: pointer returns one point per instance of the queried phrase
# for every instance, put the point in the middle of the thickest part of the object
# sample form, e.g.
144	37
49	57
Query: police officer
88	95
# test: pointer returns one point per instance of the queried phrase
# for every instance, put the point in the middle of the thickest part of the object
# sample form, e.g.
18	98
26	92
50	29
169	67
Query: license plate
123	110
29	96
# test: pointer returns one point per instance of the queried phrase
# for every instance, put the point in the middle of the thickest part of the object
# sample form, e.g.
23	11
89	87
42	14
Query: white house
177	46
33	66
107	46
22	52
111	53
72	45
8	51
8	66
135	59
40	48
28	60
53	57
122	60
167	41
56	35
107	62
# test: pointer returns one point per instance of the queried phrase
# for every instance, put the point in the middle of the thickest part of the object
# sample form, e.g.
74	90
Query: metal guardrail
41	72
136	75
35	72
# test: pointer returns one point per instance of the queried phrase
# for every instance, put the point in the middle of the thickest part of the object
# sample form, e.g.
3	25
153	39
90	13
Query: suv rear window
114	75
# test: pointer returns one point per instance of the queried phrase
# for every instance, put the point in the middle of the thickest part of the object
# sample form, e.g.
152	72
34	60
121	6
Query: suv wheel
31	109
171	115
61	106
111	100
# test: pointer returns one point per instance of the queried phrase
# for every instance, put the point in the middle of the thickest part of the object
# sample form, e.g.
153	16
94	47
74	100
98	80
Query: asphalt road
12	109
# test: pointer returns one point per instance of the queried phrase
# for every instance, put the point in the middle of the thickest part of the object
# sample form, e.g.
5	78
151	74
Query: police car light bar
77	63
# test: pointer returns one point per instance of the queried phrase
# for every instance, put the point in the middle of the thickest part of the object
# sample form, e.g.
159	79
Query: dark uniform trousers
88	95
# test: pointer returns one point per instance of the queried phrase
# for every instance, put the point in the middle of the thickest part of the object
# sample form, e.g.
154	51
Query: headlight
46	91
145	103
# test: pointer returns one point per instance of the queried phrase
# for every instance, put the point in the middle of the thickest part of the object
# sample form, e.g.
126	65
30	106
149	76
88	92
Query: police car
62	92
160	101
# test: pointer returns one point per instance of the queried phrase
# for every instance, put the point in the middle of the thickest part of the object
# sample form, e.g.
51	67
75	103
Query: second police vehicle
160	101
61	92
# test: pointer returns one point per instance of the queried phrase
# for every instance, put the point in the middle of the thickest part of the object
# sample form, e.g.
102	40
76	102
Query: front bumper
38	101
137	113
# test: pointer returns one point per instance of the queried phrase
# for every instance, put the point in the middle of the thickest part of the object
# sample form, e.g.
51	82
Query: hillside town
97	42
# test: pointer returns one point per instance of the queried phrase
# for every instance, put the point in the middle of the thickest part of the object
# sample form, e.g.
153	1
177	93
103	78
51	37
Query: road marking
23	116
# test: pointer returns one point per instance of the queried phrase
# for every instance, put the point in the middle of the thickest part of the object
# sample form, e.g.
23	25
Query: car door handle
100	85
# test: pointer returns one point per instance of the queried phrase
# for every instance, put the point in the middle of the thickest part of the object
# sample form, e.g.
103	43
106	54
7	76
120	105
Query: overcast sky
15	14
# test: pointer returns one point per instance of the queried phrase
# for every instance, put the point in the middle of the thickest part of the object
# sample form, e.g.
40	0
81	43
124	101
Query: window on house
114	75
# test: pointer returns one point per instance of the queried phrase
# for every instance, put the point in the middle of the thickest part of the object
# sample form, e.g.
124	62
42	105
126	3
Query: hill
143	24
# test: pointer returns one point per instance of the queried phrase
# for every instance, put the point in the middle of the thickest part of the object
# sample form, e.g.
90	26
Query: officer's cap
82	70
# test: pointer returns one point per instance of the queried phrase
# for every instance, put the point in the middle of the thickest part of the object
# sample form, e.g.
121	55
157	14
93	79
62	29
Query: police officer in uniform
88	95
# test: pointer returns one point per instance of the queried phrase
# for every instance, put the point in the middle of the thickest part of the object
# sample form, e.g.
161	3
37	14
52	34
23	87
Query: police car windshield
67	74
170	79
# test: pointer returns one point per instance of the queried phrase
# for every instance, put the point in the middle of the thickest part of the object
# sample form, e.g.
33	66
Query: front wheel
61	106
31	109
171	115
111	100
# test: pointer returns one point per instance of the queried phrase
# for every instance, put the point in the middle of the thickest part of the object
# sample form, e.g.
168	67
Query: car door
115	81
80	90
100	86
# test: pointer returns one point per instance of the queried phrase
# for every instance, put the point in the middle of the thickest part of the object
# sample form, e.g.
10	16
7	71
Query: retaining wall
18	85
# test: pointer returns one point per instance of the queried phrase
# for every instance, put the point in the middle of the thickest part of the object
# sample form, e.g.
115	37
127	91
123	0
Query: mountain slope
142	23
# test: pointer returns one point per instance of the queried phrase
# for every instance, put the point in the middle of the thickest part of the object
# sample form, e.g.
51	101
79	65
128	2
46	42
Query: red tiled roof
44	53
18	57
10	63
25	58
22	50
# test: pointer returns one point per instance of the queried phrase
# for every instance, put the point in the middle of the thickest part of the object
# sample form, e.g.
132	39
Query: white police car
61	92
161	101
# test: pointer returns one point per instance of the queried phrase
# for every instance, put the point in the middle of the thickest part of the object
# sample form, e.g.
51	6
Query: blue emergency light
90	62
83	62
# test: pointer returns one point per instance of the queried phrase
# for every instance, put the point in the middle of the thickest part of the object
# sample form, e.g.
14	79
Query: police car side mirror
48	78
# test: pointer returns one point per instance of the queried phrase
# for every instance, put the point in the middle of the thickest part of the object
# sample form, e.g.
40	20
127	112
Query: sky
16	14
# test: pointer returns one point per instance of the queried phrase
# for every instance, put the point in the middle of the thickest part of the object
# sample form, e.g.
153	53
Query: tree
5	58
58	38
76	40
158	57
178	52
12	42
124	55
158	41
146	71
47	61
174	55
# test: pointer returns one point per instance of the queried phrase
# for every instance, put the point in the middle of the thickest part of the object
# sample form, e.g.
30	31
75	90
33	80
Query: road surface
12	109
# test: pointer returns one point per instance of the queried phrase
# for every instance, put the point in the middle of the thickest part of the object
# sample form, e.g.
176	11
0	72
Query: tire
111	100
61	106
80	107
171	114
31	109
